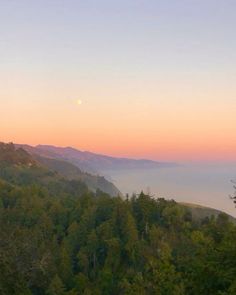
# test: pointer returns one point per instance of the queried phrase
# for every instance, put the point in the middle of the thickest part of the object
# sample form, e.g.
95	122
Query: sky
142	79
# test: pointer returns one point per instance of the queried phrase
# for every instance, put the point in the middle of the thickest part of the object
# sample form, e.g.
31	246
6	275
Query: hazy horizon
128	156
204	183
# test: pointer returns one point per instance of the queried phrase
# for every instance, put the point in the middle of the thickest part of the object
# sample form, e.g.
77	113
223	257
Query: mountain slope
199	212
71	172
19	166
93	244
9	155
91	162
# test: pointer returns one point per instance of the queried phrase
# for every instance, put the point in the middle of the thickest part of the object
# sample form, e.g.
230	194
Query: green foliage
72	172
56	287
58	238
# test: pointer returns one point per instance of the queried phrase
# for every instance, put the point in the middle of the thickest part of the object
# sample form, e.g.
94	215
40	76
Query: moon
79	102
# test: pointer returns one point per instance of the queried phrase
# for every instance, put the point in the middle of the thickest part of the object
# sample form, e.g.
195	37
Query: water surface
205	184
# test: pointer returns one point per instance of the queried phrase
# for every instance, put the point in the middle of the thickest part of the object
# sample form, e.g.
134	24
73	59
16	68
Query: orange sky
164	125
156	79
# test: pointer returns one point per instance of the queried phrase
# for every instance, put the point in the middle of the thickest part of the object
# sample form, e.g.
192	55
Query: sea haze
205	184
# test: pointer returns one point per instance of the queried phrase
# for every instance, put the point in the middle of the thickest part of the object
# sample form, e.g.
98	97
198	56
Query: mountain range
60	238
48	163
92	162
28	165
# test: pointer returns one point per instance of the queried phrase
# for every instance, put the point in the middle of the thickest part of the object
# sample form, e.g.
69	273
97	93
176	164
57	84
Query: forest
57	237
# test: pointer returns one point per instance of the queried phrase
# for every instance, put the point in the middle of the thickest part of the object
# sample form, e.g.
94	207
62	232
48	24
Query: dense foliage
58	238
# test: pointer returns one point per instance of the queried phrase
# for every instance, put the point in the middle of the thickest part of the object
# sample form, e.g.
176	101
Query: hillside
199	212
91	162
21	169
9	155
59	238
70	171
30	168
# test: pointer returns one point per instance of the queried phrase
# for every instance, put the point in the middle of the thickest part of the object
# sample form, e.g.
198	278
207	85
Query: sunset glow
153	87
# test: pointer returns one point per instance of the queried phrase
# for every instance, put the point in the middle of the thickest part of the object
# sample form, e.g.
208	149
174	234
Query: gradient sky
156	78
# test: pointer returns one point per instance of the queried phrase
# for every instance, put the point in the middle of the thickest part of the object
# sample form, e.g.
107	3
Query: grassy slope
201	212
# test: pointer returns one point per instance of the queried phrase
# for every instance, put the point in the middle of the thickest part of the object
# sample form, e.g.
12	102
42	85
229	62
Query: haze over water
137	79
204	184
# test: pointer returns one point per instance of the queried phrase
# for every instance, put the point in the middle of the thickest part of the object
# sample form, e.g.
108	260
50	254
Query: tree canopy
59	238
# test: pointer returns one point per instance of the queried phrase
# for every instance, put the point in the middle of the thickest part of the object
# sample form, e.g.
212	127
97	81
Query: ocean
207	184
